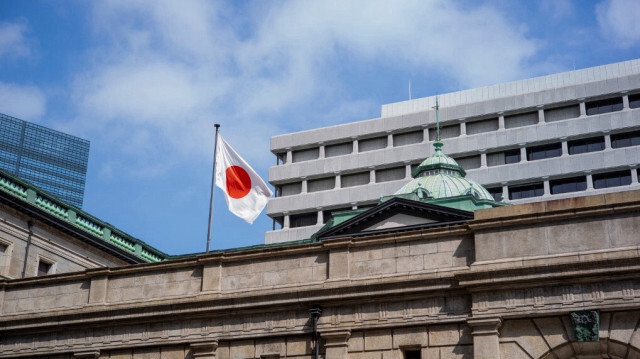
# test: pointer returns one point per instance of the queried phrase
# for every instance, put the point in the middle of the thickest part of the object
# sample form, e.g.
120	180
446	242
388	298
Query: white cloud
24	102
619	21
14	42
168	69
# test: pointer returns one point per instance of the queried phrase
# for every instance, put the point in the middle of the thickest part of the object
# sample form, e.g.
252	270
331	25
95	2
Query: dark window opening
356	179
445	132
487	125
278	223
634	101
44	268
305	155
303	220
412	354
408	138
604	106
496	193
625	139
612	179
545	151
586	145
338	149
526	191
511	156
372	144
567	185
321	184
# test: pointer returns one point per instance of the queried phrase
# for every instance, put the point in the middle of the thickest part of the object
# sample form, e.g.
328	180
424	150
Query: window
281	158
526	191
625	139
290	189
321	184
403	139
338	149
634	101
469	162
562	113
612	179
496	192
567	185
372	144
512	156
390	174
445	132
503	158
482	126
44	267
545	151
356	179
523	119
305	155
586	145
303	220
412	354
604	106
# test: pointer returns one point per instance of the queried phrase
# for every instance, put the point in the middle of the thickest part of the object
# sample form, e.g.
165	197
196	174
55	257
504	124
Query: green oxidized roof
83	221
439	178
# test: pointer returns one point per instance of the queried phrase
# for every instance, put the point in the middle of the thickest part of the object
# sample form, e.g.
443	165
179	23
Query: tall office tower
54	161
556	136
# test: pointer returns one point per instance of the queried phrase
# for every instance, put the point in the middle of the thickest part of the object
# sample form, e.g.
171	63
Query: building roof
440	180
35	202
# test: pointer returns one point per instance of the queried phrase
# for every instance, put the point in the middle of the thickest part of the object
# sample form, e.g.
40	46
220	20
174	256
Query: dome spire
437	107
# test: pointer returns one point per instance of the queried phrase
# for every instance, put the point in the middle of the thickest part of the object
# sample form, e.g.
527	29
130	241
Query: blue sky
144	81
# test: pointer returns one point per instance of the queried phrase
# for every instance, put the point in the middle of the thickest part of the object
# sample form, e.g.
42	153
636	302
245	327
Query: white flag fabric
245	192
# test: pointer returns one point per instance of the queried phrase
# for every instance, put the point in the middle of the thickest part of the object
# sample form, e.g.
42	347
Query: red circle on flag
238	182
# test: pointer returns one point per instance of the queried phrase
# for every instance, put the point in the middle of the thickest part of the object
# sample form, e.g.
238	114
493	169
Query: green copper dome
439	177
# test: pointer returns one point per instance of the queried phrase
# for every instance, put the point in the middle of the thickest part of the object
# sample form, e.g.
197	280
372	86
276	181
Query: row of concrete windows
566	185
513	192
468	127
530	153
346	180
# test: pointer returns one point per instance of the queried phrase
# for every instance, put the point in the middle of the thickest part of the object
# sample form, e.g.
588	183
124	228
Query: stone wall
63	251
380	295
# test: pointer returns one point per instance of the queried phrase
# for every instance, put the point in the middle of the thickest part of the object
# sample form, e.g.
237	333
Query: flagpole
213	182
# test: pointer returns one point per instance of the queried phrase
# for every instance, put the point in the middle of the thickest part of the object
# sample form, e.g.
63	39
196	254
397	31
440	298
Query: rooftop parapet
78	219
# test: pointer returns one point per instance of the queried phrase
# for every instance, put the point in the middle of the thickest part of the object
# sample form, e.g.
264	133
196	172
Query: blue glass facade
52	160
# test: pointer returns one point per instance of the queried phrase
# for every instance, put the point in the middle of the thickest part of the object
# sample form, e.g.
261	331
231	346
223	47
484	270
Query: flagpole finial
216	125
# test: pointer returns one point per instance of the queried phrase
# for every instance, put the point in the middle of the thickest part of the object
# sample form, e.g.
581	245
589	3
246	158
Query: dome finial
437	120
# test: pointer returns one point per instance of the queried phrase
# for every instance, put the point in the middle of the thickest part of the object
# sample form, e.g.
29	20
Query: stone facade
503	285
61	251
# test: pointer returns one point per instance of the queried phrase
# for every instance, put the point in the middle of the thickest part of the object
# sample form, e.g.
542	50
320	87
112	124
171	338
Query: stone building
412	277
41	234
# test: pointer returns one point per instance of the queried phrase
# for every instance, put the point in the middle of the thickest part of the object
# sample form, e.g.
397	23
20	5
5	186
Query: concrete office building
54	161
552	137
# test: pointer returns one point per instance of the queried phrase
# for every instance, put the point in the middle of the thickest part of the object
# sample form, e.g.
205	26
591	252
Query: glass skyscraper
54	161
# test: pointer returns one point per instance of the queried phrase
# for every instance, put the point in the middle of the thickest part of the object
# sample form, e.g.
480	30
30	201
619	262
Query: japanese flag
245	192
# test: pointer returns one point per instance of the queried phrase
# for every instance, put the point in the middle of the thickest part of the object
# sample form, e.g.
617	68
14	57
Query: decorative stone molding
204	349
336	343
89	354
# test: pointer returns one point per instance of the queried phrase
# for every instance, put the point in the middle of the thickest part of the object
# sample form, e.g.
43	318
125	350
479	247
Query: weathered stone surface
417	336
377	340
444	335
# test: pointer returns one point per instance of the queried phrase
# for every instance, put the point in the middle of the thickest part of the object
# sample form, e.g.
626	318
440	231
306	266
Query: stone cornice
211	303
556	210
475	280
